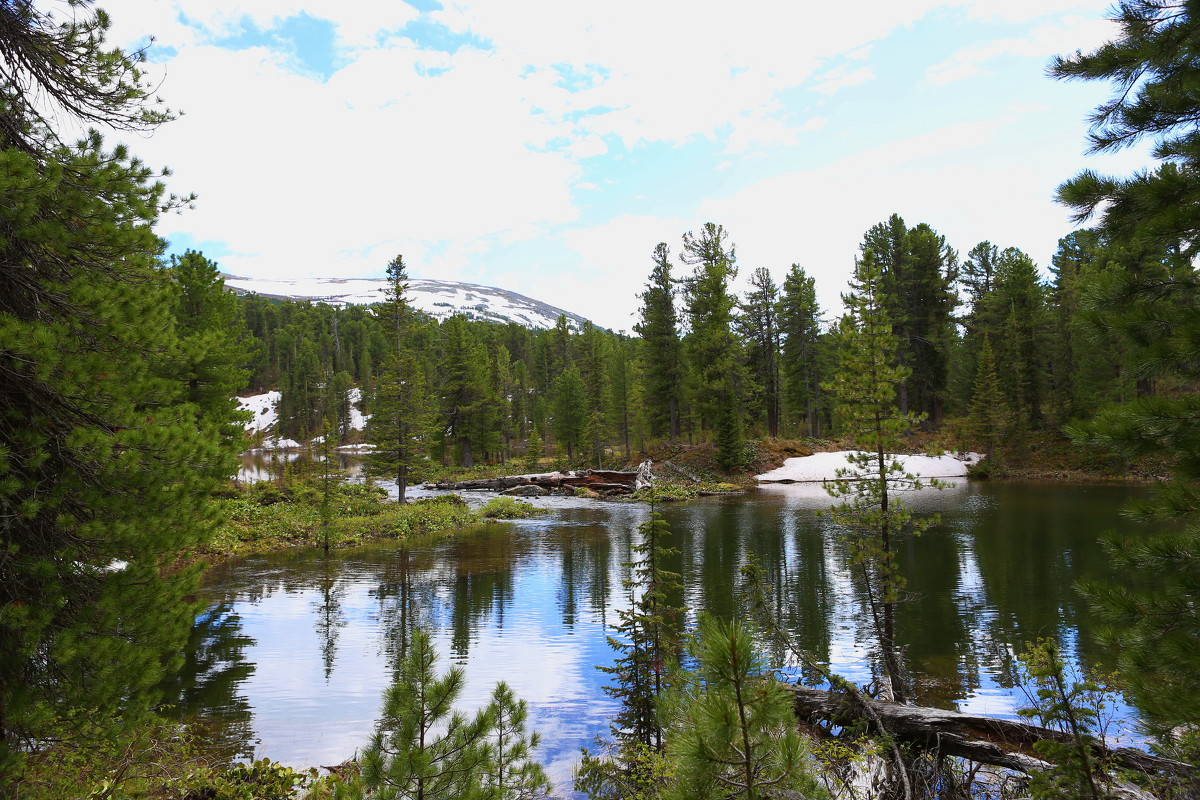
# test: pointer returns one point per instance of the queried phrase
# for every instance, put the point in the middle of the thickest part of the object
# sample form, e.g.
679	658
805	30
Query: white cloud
1042	42
842	78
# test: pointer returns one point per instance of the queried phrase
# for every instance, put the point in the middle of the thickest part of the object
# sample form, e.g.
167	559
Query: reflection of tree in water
406	595
330	619
936	628
205	690
585	557
481	584
802	588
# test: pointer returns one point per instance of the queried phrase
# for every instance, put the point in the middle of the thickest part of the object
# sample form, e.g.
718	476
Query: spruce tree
402	420
799	329
570	411
759	325
660	352
716	372
989	410
647	638
105	461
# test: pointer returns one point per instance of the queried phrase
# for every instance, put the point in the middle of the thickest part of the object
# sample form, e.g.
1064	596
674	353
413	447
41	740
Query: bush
505	507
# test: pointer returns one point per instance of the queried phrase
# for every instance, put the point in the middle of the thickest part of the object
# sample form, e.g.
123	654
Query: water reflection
307	643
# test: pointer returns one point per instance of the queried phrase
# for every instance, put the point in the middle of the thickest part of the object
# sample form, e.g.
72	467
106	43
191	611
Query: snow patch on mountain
438	299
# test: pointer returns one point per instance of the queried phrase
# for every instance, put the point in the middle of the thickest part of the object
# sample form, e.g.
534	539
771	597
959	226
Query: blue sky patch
430	35
309	41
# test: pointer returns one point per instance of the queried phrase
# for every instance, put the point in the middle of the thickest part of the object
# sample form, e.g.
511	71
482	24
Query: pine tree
510	773
647	638
105	462
716	373
1152	63
660	353
423	748
759	326
735	732
402	420
799	328
870	517
989	410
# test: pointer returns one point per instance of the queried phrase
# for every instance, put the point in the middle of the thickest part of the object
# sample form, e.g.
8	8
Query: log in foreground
998	742
600	480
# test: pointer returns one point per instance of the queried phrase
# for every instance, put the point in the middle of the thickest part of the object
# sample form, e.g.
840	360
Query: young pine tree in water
870	518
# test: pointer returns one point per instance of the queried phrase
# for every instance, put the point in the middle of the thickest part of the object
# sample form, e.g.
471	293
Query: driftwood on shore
986	740
599	480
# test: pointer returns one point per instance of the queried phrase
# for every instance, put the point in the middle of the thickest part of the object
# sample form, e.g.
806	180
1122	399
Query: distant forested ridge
993	349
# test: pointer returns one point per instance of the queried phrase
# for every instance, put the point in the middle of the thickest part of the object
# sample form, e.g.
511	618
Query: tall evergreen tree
1152	63
759	326
105	462
402	420
799	329
570	411
718	378
660	354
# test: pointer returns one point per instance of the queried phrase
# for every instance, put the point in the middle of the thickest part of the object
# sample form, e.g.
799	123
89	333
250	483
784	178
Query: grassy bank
263	517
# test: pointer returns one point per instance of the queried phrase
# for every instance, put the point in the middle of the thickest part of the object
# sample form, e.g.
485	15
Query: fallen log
597	479
986	740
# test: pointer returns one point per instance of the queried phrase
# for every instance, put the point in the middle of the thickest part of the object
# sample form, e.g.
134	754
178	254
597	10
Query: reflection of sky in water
546	590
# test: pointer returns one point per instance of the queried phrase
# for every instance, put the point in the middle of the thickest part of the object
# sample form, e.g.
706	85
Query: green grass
264	517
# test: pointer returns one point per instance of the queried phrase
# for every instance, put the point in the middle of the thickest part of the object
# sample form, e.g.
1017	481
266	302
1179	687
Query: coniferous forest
120	367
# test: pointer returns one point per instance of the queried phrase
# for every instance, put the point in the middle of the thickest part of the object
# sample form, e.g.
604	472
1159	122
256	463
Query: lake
296	648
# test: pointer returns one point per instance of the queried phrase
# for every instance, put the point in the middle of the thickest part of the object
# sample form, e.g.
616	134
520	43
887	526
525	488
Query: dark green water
292	657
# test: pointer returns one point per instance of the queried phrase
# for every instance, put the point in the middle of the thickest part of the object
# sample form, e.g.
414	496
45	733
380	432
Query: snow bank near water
824	467
263	407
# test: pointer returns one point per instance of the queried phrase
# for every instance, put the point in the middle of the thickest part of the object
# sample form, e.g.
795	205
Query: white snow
355	448
279	444
439	299
825	466
358	421
264	408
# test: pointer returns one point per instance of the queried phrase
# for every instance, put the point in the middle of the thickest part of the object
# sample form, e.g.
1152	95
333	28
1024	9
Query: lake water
292	657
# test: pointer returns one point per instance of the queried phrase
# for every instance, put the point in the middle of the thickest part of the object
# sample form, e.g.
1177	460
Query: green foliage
106	455
505	507
1151	301
402	420
989	409
660	353
423	748
734	732
1073	705
799	329
624	771
264	517
870	518
647	637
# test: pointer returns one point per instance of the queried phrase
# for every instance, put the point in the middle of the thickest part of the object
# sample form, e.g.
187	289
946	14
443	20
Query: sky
547	146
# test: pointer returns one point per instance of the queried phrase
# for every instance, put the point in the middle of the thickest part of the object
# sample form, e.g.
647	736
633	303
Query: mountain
440	299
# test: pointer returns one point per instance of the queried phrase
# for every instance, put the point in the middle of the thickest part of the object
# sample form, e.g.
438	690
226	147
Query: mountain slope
440	299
